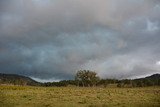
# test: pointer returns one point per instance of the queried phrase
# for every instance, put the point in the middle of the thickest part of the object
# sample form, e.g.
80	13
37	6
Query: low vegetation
27	96
86	90
86	78
83	78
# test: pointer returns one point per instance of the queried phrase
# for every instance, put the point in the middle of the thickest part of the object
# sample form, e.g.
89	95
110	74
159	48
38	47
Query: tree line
83	78
87	78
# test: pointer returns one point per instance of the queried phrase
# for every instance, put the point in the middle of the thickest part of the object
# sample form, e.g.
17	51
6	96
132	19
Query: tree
86	78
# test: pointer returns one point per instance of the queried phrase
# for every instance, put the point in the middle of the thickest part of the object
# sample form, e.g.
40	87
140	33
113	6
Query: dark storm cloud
54	38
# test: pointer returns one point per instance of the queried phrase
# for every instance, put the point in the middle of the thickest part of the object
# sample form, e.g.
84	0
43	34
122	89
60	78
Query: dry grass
23	96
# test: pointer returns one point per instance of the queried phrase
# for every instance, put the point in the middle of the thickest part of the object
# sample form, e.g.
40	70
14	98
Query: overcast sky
52	39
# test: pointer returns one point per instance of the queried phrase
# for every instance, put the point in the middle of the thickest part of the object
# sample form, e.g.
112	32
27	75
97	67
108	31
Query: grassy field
25	96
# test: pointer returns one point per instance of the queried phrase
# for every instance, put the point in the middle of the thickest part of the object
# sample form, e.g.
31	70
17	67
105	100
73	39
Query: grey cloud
52	39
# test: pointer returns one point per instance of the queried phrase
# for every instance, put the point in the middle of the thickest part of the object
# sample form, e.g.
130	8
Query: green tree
86	78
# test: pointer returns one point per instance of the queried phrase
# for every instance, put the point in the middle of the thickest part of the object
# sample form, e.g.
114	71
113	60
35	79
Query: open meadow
26	96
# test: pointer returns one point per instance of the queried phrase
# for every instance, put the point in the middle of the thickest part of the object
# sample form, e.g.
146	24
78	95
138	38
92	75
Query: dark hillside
154	76
14	79
153	80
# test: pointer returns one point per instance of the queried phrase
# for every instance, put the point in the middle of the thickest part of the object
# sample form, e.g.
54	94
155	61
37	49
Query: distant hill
14	79
153	80
154	76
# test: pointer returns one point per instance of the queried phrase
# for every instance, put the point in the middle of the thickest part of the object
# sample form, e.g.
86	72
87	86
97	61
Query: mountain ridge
15	79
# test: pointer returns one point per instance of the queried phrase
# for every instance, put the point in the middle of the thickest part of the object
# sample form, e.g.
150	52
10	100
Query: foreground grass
23	96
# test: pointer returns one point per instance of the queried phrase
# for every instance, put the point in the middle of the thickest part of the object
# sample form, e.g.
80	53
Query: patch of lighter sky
41	2
158	63
45	80
151	26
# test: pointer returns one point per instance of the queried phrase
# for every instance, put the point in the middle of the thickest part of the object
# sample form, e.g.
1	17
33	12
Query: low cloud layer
52	39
